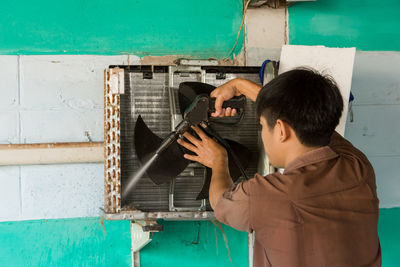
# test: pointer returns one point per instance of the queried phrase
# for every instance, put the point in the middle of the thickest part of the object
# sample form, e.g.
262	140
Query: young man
323	209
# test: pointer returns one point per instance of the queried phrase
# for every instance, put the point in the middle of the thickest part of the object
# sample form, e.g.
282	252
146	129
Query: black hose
225	144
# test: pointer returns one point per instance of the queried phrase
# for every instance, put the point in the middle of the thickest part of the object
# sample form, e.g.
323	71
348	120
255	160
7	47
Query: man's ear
283	130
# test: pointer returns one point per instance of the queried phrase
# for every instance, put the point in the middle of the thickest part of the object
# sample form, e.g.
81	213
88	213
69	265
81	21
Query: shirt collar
310	157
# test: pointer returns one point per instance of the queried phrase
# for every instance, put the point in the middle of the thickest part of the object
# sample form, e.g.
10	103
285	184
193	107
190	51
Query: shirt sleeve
233	207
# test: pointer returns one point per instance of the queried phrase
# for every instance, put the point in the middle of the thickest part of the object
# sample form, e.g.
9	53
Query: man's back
322	211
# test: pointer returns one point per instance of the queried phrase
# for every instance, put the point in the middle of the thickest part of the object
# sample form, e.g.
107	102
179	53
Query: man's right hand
235	87
224	93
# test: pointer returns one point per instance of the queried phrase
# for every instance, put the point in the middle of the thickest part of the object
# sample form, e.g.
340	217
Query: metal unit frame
116	83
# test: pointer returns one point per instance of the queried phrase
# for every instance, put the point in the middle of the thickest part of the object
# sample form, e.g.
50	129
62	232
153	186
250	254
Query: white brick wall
376	126
62	191
10	203
52	99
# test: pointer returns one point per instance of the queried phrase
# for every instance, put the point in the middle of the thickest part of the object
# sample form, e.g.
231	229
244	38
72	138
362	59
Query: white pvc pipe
51	153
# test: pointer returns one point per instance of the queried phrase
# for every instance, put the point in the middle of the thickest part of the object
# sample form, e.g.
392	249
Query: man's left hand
208	152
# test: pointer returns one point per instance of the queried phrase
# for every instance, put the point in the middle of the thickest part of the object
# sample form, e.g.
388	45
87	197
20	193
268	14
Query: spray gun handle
237	102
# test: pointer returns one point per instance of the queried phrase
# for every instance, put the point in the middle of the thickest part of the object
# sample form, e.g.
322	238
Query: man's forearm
220	182
247	88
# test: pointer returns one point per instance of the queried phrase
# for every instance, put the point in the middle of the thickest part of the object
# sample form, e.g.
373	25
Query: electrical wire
246	5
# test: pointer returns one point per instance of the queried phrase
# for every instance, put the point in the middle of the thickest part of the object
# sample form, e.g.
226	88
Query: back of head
308	101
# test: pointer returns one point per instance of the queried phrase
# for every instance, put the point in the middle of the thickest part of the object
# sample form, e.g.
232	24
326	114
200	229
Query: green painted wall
195	244
367	24
65	242
389	235
204	28
84	242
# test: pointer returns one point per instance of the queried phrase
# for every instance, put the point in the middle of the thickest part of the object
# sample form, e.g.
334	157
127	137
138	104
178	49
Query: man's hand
208	152
211	154
224	93
235	87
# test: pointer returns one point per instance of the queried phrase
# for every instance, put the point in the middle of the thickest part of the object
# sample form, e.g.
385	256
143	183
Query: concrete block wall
52	99
376	128
266	33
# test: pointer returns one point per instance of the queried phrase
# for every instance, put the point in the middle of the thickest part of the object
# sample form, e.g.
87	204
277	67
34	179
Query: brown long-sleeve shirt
322	211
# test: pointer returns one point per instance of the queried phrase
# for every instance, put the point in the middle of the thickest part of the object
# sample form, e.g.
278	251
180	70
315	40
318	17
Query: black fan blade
244	155
168	165
188	91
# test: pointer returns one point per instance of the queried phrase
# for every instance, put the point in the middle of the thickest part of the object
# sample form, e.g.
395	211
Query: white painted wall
376	126
266	33
52	99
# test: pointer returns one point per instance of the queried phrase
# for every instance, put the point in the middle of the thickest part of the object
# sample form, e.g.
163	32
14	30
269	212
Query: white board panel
336	62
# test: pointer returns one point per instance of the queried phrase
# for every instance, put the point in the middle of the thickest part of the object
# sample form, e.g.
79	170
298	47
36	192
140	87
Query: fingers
218	106
192	139
200	132
191	157
222	114
234	111
228	112
187	145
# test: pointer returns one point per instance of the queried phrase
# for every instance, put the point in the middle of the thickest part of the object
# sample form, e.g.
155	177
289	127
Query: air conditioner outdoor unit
147	90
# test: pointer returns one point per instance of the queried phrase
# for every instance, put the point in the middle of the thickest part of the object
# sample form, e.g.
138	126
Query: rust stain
102	224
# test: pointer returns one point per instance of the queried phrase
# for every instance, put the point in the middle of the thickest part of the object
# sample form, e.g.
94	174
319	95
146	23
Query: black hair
309	102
